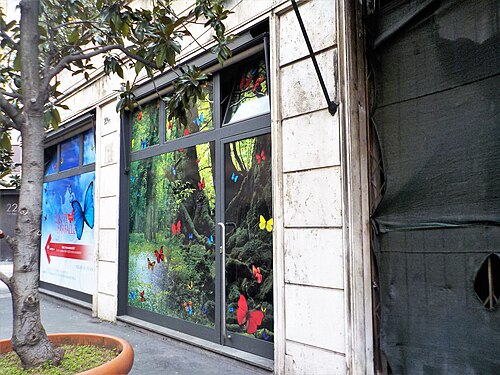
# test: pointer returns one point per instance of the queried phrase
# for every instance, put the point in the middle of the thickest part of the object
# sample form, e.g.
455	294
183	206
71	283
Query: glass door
247	248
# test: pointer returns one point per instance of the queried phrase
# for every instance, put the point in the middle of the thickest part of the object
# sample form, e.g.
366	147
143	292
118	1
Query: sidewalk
154	354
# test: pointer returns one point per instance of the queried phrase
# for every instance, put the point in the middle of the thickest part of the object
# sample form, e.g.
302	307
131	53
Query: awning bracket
332	106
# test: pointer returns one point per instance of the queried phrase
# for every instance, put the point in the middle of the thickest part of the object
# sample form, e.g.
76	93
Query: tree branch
11	94
71	58
5	279
7	37
6	123
12	112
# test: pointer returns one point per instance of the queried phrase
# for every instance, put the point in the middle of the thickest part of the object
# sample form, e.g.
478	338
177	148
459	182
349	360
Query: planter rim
121	364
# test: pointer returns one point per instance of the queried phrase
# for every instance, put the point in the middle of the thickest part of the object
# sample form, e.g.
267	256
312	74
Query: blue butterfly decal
199	120
265	336
174	171
203	309
132	178
190	236
132	295
231	309
144	143
234	177
85	214
210	240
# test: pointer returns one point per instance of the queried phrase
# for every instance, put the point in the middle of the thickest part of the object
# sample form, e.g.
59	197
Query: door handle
222	250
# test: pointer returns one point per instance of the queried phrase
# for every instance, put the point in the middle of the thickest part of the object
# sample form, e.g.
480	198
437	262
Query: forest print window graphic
172	246
249	248
250	95
145	132
199	117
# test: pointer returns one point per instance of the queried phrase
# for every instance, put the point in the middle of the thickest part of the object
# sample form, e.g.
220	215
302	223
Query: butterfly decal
197	161
234	177
176	228
84	214
253	319
190	236
260	157
186	132
203	309
159	255
133	143
71	216
257	82
132	178
210	240
266	224
174	171
190	285
265	336
143	299
45	217
201	184
170	125
256	273
231	309
151	265
263	309
188	306
132	295
199	120
139	117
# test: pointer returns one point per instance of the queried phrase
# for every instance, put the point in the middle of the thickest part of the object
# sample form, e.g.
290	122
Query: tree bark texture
29	339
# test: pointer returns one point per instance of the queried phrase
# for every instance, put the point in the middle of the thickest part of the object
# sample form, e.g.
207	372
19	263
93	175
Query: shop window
88	147
70	154
249	97
145	129
199	117
51	160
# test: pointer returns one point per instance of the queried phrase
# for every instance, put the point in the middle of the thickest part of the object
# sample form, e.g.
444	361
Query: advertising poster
67	257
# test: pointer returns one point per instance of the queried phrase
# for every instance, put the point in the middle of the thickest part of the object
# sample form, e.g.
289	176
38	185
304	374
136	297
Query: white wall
311	202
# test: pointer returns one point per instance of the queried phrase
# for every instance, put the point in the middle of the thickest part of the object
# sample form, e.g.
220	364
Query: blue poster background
58	222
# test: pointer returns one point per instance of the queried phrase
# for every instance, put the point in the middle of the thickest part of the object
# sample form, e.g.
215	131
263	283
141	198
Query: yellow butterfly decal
190	285
267	225
133	143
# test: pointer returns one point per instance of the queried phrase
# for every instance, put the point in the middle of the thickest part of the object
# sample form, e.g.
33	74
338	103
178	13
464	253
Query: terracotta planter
122	364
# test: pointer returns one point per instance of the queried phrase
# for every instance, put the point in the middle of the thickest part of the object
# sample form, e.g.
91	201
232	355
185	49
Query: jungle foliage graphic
172	228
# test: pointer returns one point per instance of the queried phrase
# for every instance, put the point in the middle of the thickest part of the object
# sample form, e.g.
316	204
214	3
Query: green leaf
138	67
5	142
74	36
119	70
17	62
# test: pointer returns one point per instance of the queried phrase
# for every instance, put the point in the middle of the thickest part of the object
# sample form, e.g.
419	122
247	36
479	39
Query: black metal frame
220	135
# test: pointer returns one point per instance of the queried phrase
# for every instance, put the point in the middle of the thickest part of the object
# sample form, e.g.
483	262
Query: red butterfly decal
201	184
186	132
139	116
252	318
159	254
257	274
176	228
260	157
258	81
197	161
170	125
144	299
71	216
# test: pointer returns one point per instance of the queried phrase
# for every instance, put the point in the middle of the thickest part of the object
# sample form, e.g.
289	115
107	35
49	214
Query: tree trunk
29	339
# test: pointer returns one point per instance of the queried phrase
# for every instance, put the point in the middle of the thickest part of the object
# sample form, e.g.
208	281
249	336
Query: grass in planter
77	358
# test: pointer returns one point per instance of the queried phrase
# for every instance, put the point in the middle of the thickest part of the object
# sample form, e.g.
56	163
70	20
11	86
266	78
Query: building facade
247	230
